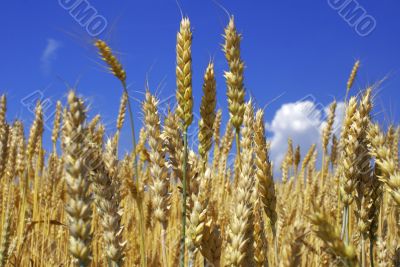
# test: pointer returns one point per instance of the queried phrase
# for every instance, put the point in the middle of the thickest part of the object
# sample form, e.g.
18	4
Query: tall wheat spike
239	250
352	77
234	77
158	169
207	111
331	237
184	73
3	133
77	180
234	80
265	181
184	108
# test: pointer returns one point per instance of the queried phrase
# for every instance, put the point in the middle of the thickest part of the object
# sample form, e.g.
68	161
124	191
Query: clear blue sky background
291	48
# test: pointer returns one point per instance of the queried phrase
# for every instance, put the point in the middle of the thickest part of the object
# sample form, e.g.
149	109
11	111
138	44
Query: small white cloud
303	122
49	55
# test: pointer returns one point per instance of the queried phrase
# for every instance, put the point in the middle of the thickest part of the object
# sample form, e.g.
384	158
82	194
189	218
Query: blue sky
292	50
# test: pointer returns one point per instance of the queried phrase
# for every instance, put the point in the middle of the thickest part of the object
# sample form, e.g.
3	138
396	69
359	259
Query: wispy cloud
303	122
49	55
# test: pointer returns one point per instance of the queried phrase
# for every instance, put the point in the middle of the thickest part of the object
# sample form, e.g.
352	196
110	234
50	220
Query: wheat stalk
118	71
184	108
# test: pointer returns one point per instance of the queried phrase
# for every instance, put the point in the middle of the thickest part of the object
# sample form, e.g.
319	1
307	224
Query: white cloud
303	122
49	54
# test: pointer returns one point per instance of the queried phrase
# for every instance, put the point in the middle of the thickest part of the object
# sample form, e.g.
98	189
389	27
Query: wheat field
167	203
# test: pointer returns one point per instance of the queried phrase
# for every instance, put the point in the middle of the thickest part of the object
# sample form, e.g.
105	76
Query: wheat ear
78	205
107	55
3	133
106	188
297	159
8	195
265	181
331	237
56	125
234	77
207	112
35	132
3	109
234	80
326	136
184	73
260	239
389	171
122	111
6	227
291	251
362	165
198	215
240	251
352	77
348	173
158	169
334	151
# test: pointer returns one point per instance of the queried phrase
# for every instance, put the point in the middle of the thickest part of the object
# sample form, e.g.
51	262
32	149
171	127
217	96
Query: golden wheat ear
184	73
3	109
240	250
234	77
114	65
77	181
265	181
122	111
331	238
4	132
353	75
207	112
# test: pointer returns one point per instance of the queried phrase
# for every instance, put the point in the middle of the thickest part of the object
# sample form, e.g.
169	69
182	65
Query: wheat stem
182	255
139	203
237	136
371	253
